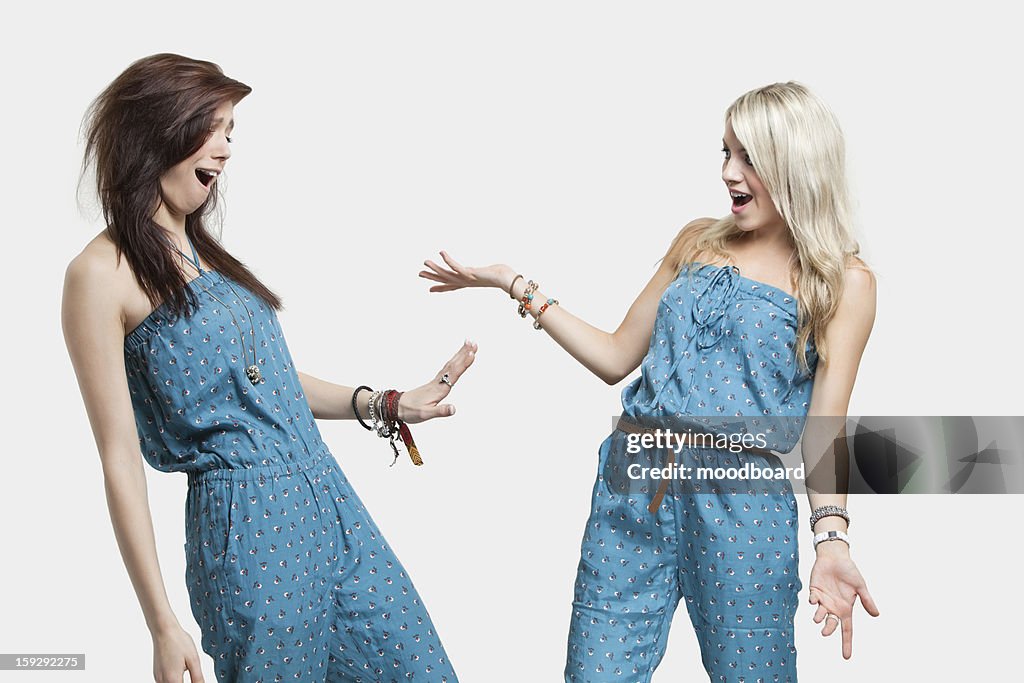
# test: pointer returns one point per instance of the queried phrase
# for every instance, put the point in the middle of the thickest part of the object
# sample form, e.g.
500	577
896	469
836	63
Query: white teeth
210	173
736	195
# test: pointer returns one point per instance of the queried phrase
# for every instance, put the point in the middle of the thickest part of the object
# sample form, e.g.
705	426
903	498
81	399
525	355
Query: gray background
572	141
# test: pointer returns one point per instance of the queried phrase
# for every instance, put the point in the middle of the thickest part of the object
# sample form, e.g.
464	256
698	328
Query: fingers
195	670
439	389
440	410
869	603
443	272
832	622
819	614
427	275
458	364
452	263
835	616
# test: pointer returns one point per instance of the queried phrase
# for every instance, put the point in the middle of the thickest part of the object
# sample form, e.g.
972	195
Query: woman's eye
725	151
747	159
230	140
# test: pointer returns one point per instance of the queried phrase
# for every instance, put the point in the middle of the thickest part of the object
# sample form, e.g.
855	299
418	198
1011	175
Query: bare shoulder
858	299
95	261
97	279
685	239
859	281
697	226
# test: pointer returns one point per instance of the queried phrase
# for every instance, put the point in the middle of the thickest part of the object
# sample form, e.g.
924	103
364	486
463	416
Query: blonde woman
745	316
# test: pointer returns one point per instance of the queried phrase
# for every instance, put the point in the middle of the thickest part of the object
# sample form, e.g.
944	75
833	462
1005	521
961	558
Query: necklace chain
252	372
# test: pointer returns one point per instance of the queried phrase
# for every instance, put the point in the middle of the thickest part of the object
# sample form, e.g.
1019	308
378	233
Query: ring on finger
835	616
445	379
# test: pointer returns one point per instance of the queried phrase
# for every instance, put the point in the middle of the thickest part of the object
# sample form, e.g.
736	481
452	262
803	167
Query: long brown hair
157	113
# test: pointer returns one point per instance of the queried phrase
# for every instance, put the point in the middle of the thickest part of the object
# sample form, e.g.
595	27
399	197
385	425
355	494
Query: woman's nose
730	172
223	149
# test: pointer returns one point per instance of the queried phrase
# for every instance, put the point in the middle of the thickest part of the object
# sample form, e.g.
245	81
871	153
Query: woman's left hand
835	584
424	403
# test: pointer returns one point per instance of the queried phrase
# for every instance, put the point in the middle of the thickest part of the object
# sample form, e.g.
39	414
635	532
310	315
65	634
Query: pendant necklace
252	372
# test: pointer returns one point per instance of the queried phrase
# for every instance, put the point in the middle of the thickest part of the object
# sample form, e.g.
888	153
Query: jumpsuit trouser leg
729	555
290	579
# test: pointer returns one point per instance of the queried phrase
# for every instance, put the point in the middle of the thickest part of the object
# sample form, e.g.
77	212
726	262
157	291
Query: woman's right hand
457	276
174	653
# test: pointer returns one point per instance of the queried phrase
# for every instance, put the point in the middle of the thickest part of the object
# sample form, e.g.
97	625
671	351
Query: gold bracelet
512	286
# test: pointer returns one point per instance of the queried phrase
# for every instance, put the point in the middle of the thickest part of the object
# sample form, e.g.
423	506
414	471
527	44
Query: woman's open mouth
739	199
206	177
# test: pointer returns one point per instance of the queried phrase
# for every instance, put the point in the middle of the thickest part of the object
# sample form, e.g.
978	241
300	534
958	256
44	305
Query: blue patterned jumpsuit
722	345
289	577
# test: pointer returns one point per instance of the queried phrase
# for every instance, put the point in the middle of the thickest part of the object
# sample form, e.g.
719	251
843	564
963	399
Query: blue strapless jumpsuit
722	345
288	575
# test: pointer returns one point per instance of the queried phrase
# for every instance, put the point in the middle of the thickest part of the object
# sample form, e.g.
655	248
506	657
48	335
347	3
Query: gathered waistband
259	472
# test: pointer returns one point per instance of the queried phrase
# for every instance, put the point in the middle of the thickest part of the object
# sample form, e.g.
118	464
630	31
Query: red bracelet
391	405
391	410
414	453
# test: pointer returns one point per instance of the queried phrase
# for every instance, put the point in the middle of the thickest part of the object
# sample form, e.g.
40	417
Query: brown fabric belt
624	425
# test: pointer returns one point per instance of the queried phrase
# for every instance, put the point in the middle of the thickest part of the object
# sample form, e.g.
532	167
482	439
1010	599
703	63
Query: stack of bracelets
824	511
526	302
384	419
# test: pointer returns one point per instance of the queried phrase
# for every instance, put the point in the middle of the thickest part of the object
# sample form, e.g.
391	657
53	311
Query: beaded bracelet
355	410
549	302
829	511
527	299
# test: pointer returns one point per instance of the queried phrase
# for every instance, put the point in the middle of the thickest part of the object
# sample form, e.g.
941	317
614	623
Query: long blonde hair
796	146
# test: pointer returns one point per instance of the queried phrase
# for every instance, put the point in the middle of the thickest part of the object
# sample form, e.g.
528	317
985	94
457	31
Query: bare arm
94	334
328	401
609	355
835	581
846	336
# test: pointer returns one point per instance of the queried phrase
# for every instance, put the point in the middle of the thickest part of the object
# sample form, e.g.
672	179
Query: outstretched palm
424	402
458	276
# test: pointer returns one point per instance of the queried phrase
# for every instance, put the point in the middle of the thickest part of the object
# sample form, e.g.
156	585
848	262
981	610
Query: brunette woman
180	357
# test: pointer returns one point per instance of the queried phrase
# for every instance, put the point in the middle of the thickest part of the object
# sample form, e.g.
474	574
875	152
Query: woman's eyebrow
220	119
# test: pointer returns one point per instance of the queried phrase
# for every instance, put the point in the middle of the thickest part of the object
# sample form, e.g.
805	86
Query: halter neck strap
195	257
